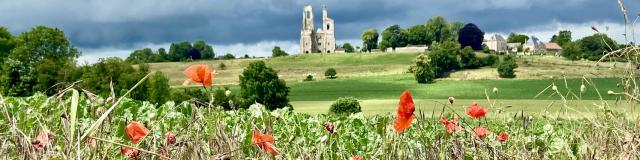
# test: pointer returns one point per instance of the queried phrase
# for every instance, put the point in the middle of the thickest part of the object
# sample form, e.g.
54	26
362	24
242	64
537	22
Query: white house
496	43
533	45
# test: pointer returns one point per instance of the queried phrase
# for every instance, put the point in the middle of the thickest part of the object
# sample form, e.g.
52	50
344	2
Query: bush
468	58
224	98
309	77
572	51
330	73
345	105
507	67
422	69
277	52
158	88
444	58
259	83
228	56
490	60
222	66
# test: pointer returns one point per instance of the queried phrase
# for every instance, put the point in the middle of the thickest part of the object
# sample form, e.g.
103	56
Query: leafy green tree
469	59
422	69
260	83
141	56
330	73
506	68
453	31
345	106
181	51
205	50
572	51
471	35
98	77
563	37
6	44
595	46
228	56
437	28
444	58
417	35
45	55
277	52
517	38
159	91
394	37
348	48
370	39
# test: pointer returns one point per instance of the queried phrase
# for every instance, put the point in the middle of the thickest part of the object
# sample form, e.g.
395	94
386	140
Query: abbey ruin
322	40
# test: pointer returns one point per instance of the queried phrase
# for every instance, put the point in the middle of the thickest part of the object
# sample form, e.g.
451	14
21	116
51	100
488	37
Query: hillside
294	68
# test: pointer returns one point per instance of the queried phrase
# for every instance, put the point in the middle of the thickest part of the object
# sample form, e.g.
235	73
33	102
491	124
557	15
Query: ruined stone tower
320	41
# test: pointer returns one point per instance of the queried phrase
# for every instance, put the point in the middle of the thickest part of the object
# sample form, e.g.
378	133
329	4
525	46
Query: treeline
43	60
591	48
181	51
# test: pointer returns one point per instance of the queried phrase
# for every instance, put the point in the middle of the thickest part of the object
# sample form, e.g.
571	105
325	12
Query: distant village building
321	41
533	45
553	48
496	43
513	47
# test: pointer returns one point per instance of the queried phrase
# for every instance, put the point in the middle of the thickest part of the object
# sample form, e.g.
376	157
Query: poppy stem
123	145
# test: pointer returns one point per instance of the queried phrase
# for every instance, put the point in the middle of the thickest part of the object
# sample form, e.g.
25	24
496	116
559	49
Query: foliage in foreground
213	133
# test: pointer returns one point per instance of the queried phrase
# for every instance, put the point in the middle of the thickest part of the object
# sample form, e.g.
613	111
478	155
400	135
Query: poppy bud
495	90
554	88
583	88
129	152
329	127
170	138
610	92
451	99
92	143
100	111
227	93
503	136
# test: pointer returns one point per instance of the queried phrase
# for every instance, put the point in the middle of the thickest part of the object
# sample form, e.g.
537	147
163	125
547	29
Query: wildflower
476	111
503	136
356	157
42	140
129	152
583	88
451	99
405	112
136	131
264	142
554	88
495	90
170	138
329	127
481	132
199	73
450	126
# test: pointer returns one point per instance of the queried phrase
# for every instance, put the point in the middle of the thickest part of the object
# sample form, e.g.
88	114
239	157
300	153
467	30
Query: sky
117	27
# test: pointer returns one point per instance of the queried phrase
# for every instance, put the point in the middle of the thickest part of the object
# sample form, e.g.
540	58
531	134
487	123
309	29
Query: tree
370	39
6	44
444	58
141	56
181	51
277	52
468	58
228	56
394	37
159	90
330	73
595	46
506	67
260	83
436	27
417	35
45	55
422	69
98	77
345	106
563	37
517	38
471	35
348	48
205	50
572	51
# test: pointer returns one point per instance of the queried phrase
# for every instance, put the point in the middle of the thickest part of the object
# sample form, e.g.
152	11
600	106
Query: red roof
552	46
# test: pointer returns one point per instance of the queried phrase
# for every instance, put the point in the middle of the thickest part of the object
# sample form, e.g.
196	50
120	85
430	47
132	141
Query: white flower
227	93
256	109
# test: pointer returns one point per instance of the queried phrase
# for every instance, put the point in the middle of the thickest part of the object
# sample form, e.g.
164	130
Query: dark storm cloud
122	23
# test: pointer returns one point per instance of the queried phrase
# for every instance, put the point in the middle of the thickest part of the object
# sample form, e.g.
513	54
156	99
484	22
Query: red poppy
200	73
129	152
405	112
43	139
264	142
503	136
356	157
170	138
476	111
136	131
481	132
450	126
329	127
